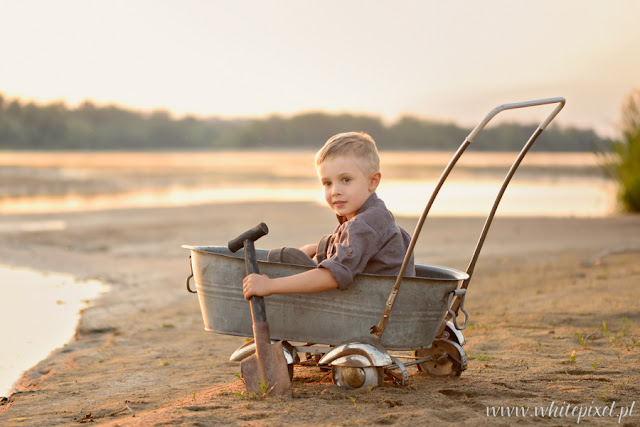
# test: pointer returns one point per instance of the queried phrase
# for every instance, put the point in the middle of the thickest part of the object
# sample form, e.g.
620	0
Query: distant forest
29	126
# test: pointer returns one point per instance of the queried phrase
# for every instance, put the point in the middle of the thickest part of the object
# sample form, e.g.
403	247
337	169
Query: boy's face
346	187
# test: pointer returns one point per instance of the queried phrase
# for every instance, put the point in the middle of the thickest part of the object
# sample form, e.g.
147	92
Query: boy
367	239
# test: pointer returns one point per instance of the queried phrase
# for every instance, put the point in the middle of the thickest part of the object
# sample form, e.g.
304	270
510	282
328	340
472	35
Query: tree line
55	126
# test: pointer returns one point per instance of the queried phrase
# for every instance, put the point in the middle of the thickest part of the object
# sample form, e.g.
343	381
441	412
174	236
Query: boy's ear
374	180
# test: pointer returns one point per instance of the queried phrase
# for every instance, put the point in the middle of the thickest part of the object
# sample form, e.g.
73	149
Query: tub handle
462	293
189	278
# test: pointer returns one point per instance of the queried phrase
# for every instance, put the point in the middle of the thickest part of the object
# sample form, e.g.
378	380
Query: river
548	184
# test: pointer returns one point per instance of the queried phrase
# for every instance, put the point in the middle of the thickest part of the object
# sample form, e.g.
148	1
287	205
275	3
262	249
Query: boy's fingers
247	293
248	285
245	288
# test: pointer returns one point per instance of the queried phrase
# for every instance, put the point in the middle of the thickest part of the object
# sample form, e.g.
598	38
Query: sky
438	60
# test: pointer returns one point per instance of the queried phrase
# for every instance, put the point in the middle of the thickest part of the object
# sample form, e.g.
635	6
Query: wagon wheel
350	378
447	356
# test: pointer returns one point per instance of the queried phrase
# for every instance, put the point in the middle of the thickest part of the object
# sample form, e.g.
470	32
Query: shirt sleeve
353	246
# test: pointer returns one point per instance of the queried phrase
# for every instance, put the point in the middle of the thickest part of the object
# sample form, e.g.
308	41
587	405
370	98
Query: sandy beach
554	305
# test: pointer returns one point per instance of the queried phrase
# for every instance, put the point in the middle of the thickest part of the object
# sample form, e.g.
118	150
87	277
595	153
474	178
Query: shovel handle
252	234
246	239
258	312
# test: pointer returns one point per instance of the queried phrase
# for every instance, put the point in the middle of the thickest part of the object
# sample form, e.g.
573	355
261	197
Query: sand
554	305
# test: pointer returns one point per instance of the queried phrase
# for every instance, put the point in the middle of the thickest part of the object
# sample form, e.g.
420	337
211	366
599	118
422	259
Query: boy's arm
316	280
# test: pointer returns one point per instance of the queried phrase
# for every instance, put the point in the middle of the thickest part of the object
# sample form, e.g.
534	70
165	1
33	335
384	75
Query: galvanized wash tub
332	317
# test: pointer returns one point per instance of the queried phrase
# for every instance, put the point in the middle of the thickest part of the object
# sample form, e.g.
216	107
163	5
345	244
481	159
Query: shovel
266	371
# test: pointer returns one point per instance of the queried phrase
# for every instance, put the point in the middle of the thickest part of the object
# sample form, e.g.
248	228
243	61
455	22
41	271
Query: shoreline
57	297
141	344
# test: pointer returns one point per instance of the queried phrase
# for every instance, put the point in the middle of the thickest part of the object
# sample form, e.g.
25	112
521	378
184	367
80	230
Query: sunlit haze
441	60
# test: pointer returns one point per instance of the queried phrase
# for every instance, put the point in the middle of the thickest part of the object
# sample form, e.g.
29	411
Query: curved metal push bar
500	108
378	330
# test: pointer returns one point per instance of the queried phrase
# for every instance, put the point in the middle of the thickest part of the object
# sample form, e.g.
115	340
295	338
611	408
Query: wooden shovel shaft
258	312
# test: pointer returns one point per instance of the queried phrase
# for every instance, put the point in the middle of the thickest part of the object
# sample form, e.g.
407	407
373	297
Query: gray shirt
371	242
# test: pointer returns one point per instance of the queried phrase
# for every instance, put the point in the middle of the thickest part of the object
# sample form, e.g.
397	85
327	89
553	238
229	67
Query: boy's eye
346	179
326	184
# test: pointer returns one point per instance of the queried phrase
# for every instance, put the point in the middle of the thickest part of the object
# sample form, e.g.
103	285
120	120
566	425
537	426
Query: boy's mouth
340	203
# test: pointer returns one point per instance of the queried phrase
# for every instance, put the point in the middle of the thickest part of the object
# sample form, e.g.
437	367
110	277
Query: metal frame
378	330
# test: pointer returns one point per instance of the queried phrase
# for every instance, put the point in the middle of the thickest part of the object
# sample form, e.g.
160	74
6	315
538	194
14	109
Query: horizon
385	122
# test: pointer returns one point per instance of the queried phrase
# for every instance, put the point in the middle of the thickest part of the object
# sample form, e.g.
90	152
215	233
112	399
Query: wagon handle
378	330
525	149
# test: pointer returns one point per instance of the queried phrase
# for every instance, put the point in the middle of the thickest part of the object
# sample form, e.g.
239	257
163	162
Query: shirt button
349	252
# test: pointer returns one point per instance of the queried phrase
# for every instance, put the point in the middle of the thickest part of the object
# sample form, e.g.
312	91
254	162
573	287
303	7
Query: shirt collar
373	198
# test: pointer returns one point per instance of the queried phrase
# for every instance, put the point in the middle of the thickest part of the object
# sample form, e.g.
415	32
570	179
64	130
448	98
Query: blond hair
360	145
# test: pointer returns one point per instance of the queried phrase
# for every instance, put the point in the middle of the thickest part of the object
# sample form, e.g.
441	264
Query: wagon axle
365	363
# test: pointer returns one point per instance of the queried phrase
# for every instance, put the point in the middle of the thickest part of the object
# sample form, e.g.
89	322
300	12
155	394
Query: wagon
355	332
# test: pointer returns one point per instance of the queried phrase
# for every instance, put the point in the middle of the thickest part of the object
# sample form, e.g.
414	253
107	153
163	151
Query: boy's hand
310	250
255	284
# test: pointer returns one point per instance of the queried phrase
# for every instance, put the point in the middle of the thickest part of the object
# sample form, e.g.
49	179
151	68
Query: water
38	313
571	197
547	184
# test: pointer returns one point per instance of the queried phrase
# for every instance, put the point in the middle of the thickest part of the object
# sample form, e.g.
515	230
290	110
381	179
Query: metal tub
331	317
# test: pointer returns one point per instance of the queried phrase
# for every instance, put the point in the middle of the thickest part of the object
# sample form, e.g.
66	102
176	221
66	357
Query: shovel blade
267	373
